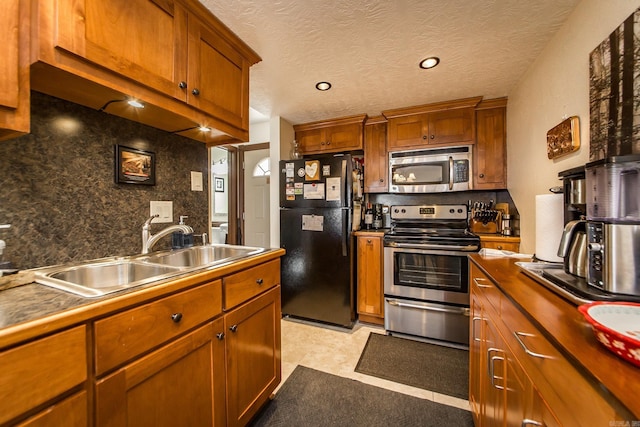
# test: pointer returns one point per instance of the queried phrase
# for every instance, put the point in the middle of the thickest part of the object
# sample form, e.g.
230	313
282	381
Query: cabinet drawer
558	381
123	336
485	287
503	246
243	286
41	370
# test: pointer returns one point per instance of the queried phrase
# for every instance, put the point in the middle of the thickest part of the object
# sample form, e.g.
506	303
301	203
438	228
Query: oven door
422	274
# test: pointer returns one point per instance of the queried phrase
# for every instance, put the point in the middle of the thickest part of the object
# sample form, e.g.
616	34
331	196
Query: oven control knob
404	210
452	210
396	210
459	210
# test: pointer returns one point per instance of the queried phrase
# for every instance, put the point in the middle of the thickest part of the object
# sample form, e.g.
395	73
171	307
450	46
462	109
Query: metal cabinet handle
490	367
478	279
527	422
526	350
220	336
473	328
462	310
233	328
481	175
424	136
381	179
176	317
259	281
182	85
195	91
368	241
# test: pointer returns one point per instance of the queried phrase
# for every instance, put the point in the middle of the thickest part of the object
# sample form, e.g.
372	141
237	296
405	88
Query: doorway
255	195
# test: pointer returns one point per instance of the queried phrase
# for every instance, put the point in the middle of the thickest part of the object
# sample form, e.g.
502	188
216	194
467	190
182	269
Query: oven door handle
462	310
419	246
450	173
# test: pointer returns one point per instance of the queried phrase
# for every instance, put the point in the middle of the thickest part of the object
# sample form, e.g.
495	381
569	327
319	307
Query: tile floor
337	351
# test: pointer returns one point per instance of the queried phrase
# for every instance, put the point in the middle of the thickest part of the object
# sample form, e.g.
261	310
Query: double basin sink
107	275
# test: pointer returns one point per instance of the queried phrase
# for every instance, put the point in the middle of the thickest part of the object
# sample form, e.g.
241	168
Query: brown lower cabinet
516	375
369	277
204	350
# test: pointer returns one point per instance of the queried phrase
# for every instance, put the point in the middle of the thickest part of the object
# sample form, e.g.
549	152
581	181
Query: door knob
195	91
182	85
176	317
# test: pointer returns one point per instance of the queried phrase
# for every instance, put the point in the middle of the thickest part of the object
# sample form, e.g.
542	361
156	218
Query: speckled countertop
29	309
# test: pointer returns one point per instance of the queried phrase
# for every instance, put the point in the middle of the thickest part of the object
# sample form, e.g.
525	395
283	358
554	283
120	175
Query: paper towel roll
549	226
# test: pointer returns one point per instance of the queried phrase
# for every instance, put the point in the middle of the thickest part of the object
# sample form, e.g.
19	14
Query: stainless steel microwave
434	170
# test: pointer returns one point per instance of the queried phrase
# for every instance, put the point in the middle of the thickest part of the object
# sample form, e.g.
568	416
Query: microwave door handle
450	173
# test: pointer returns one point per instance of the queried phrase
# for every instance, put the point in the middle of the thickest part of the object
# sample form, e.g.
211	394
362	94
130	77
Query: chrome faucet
148	240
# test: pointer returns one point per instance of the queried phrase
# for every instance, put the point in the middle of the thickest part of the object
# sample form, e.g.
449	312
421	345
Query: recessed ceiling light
135	103
429	62
323	86
204	129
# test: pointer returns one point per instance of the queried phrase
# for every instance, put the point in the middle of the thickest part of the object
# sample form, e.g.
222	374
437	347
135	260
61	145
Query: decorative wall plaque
564	138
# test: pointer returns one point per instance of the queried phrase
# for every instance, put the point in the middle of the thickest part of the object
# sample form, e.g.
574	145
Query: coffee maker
573	244
613	224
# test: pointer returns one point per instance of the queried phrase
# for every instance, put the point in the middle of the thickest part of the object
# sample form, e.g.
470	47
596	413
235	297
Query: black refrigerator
316	210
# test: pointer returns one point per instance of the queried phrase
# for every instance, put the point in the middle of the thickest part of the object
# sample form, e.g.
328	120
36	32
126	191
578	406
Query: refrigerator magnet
326	170
314	191
313	222
333	189
312	170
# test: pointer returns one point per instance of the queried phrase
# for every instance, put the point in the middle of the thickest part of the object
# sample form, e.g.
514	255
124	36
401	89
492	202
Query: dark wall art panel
614	92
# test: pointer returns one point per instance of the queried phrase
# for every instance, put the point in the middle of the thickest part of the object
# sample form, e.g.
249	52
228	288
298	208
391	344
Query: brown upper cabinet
490	152
376	159
443	123
14	70
331	136
174	55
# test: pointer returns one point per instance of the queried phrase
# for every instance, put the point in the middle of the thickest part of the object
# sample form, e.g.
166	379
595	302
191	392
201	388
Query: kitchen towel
549	226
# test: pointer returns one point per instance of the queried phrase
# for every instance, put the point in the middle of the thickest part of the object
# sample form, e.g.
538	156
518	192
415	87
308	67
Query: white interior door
256	198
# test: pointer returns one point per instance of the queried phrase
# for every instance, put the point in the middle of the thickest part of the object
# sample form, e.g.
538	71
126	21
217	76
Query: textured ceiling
370	49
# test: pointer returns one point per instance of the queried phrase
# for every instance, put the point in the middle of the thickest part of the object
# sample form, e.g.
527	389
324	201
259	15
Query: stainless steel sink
103	277
199	256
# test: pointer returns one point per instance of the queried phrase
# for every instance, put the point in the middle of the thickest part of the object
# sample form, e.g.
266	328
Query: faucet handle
147	223
182	218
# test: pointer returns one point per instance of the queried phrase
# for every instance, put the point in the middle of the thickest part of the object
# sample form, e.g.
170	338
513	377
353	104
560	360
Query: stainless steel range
426	279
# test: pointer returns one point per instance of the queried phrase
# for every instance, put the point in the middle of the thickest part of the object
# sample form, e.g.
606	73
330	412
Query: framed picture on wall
218	184
133	166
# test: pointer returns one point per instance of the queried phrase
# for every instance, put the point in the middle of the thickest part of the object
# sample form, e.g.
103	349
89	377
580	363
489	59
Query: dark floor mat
314	398
432	367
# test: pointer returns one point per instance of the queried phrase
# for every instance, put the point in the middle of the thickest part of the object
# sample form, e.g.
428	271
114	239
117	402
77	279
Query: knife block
490	227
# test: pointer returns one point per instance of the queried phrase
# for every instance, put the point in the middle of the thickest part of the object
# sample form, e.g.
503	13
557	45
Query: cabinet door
310	141
451	126
496	372
376	160
370	290
218	82
407	132
14	70
343	138
253	355
145	40
70	412
490	156
476	359
180	384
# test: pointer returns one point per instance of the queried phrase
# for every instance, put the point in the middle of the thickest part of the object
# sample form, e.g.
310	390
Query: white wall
282	135
554	88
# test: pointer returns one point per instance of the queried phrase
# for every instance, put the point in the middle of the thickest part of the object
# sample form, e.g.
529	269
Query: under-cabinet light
429	62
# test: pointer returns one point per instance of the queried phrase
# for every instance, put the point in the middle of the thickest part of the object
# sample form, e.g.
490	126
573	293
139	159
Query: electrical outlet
164	210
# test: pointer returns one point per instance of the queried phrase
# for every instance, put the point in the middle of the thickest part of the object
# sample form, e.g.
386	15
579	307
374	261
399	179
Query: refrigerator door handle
343	184
345	233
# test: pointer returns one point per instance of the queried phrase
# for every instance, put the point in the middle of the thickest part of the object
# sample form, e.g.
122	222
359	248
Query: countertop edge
90	309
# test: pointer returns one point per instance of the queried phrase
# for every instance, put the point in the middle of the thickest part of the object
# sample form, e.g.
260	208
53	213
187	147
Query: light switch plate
162	208
196	181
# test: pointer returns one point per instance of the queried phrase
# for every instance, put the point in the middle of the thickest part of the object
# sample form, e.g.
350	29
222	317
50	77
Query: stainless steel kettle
573	248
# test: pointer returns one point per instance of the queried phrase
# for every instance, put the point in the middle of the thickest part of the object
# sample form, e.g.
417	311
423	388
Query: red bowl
617	326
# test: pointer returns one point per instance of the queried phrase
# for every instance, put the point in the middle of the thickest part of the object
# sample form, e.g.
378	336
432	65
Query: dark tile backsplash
57	187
